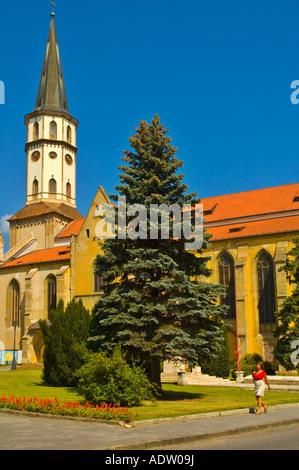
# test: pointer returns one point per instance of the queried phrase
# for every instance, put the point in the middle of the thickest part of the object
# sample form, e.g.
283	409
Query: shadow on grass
179	395
73	390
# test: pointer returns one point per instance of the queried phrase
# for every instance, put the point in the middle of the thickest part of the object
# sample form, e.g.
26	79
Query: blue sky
218	73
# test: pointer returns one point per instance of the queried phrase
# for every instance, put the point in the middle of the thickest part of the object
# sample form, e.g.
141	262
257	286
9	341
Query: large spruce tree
157	303
287	332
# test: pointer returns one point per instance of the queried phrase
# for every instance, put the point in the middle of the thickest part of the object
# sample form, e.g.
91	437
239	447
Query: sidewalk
19	432
193	428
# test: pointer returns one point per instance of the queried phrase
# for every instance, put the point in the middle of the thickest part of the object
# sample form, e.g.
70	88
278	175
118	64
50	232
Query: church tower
51	158
51	136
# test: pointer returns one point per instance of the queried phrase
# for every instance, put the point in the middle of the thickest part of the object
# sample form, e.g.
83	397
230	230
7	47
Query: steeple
51	159
52	94
51	135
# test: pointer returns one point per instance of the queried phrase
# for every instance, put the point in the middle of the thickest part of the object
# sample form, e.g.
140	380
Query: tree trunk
155	374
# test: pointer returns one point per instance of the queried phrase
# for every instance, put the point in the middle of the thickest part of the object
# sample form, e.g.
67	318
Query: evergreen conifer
158	303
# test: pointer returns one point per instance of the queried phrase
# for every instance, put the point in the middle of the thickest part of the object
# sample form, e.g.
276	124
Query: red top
259	375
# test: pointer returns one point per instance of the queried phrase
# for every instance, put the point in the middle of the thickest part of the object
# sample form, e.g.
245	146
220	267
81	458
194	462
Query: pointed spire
51	94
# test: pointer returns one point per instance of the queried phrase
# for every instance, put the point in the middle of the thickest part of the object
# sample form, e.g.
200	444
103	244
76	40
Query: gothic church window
99	283
52	293
13	304
227	278
266	289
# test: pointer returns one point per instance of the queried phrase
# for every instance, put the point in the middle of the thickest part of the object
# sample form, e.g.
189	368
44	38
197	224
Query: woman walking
260	377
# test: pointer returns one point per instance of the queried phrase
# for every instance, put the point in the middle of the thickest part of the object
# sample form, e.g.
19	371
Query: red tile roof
73	228
41	256
255	228
250	203
42	208
247	204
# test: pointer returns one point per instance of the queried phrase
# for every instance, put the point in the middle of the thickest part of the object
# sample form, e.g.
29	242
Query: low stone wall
277	380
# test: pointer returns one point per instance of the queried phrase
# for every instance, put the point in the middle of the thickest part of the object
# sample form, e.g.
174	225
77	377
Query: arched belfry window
68	190
52	186
52	293
226	270
69	134
266	289
13	304
53	130
35	187
35	131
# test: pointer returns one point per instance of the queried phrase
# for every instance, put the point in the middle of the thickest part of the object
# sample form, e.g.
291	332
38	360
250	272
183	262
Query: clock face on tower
69	160
35	156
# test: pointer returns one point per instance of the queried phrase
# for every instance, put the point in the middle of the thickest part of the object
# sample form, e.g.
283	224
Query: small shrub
248	364
110	379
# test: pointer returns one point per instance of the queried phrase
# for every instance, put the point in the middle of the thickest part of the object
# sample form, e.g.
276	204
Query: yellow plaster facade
246	334
32	282
245	252
84	250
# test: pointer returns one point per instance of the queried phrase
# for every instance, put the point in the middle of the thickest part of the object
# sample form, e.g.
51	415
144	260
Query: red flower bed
54	407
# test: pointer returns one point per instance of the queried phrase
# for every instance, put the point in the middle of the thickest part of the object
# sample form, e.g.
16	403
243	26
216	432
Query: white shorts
259	388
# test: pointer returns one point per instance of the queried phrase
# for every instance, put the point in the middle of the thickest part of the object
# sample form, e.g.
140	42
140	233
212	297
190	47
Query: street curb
200	437
155	443
215	414
150	422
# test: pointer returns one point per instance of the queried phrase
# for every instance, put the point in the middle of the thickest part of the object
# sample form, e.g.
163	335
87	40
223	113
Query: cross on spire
53	5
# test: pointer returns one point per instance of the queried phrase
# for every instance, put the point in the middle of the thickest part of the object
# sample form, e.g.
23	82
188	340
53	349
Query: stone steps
193	379
169	377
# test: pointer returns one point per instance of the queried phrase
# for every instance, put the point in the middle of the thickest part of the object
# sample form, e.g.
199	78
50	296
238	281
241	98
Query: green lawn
177	400
28	383
188	400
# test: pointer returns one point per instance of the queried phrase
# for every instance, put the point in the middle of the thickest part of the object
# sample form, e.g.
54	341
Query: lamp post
237	319
14	362
239	373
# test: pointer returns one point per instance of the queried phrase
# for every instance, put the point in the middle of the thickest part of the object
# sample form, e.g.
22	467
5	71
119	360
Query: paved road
18	432
279	438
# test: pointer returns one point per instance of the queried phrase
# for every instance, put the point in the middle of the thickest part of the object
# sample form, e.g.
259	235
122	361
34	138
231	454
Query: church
52	247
